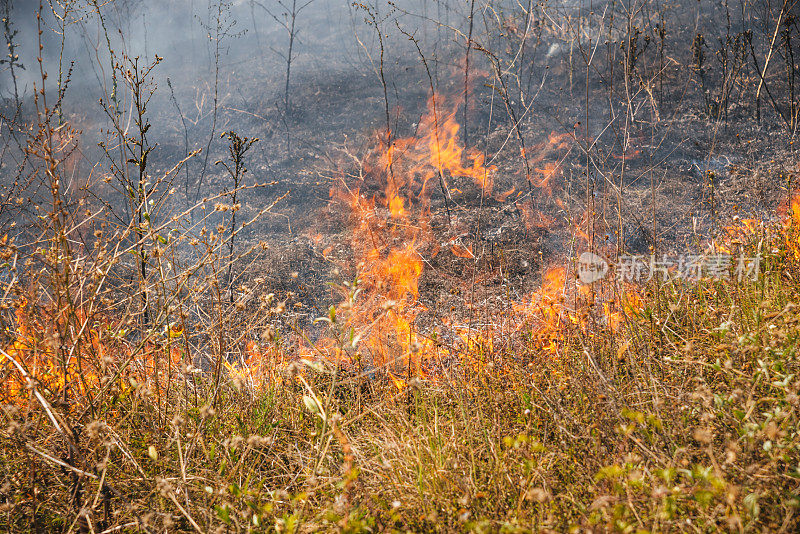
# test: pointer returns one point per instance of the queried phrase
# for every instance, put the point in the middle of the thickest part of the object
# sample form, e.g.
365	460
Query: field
451	266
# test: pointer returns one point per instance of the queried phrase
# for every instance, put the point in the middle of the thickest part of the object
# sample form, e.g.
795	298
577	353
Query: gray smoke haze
335	60
331	35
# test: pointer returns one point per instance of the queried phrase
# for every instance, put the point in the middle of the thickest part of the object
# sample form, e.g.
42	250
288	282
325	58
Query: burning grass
666	406
153	380
682	416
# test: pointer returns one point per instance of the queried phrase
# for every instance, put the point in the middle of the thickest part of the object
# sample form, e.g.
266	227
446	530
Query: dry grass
684	419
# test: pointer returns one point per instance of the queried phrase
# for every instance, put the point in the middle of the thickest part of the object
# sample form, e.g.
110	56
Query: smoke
253	37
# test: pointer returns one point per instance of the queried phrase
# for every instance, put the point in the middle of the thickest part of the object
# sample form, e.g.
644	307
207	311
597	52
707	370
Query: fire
51	368
257	367
557	144
392	235
546	310
735	235
392	239
791	224
630	153
536	219
403	268
502	197
547	173
436	152
80	370
630	303
396	206
461	251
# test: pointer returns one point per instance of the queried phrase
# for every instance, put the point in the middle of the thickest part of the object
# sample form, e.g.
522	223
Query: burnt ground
683	180
702	173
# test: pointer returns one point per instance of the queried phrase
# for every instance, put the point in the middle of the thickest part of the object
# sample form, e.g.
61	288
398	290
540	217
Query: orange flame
791	224
81	369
